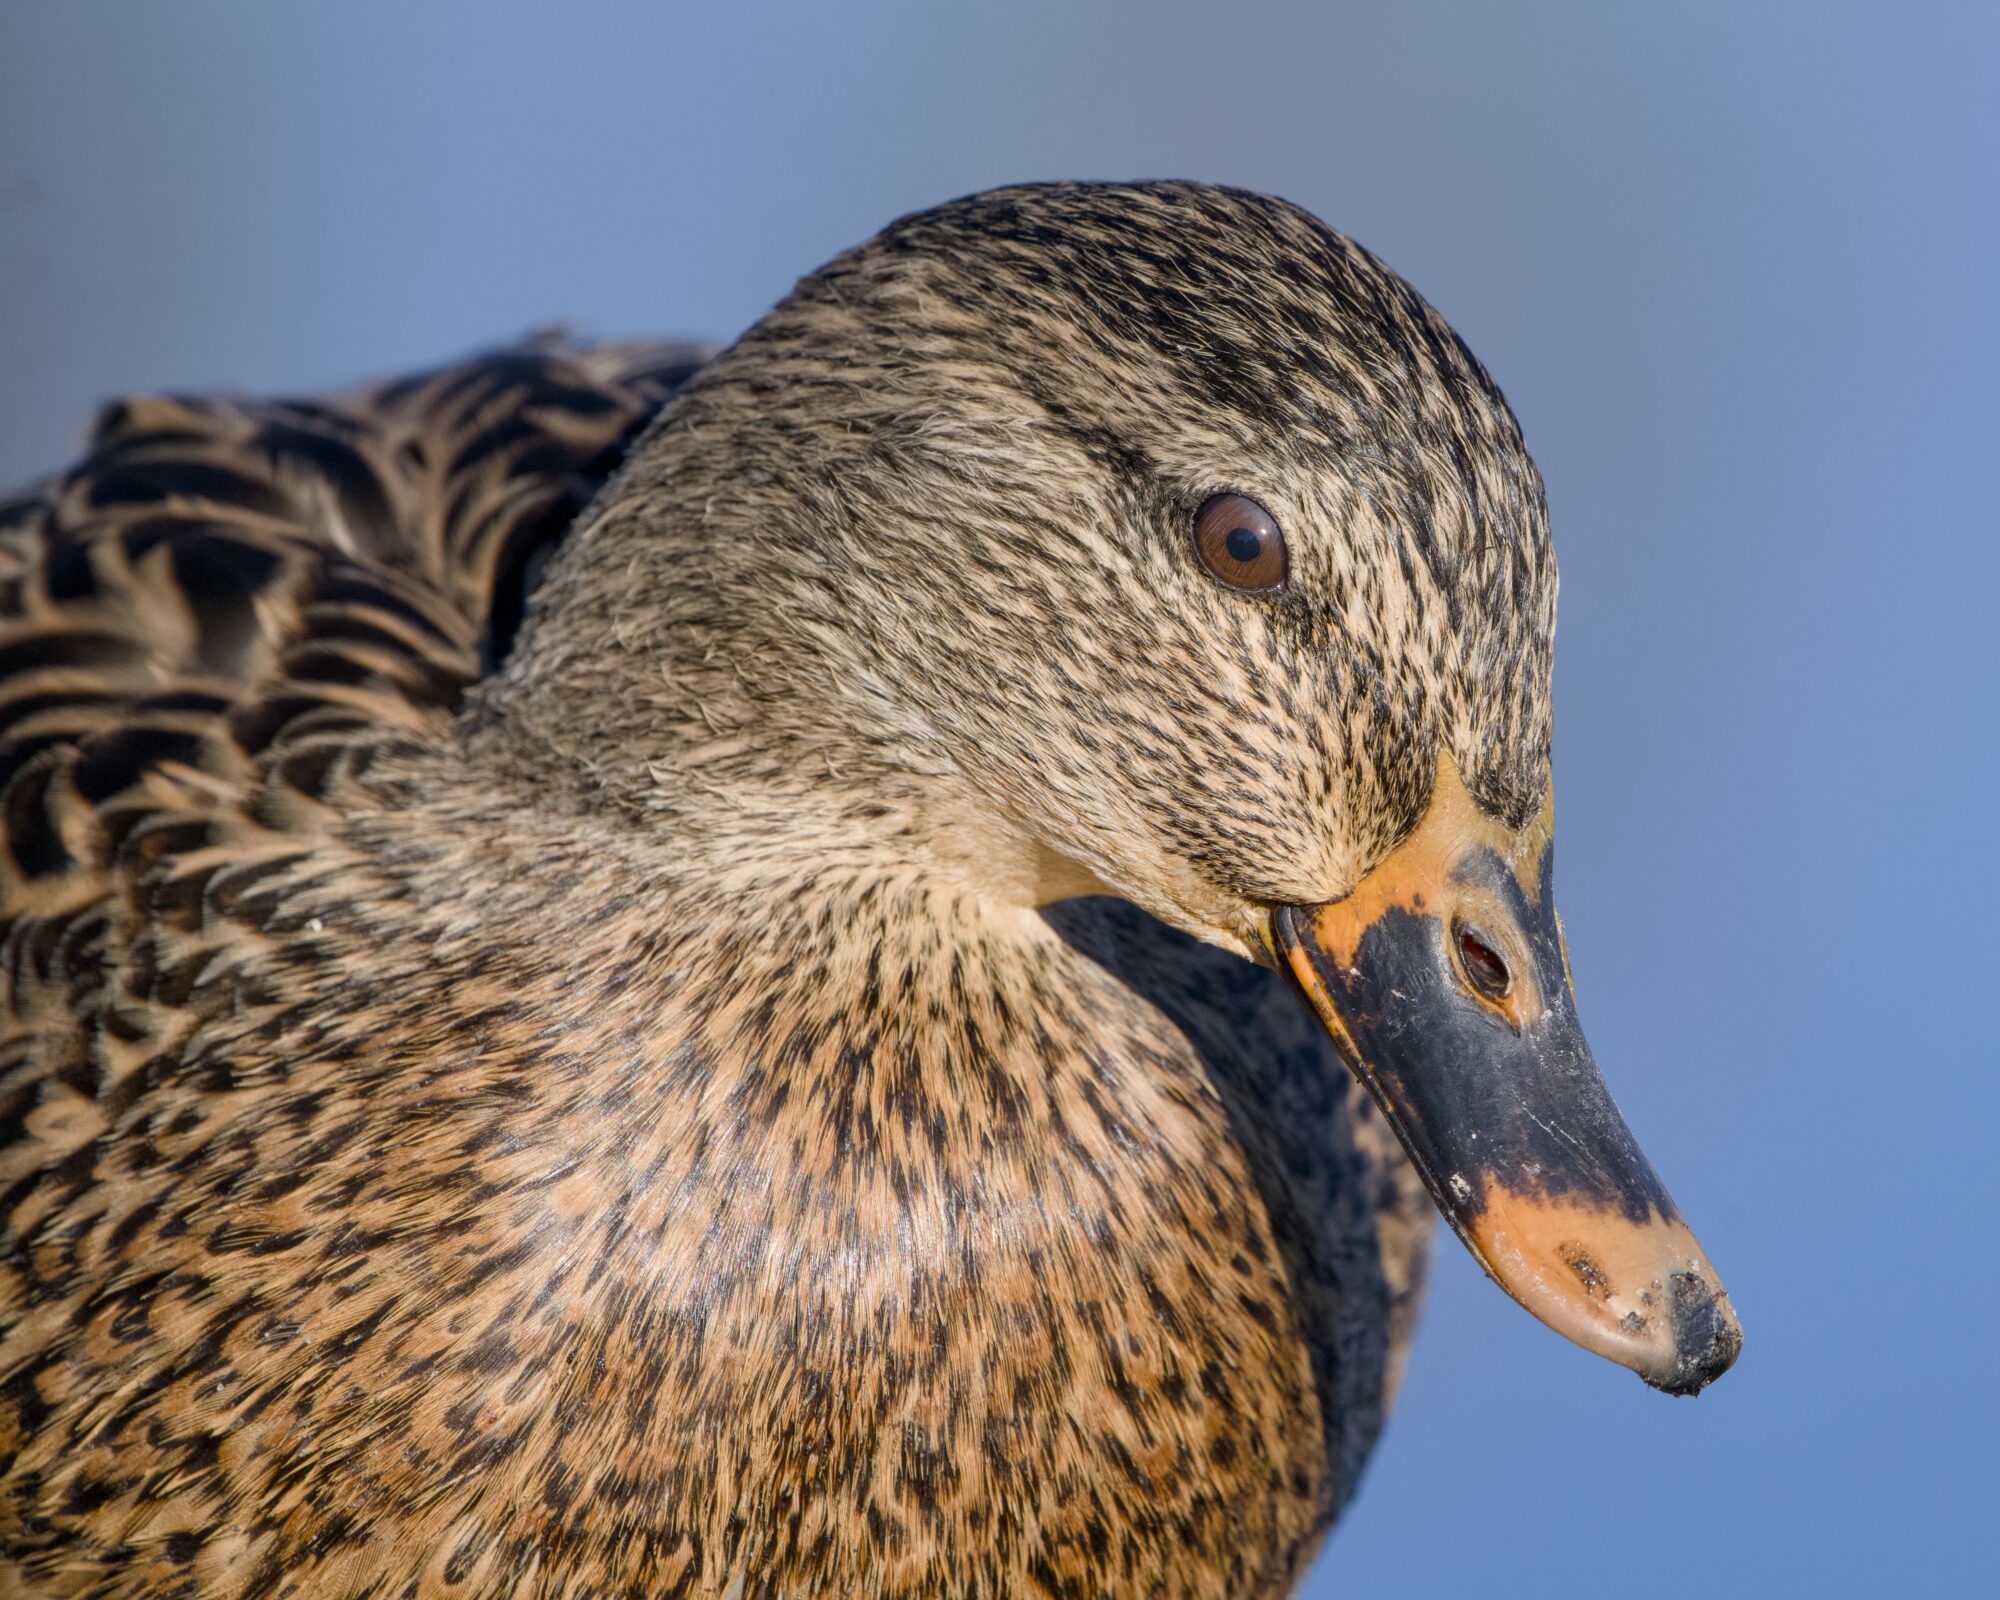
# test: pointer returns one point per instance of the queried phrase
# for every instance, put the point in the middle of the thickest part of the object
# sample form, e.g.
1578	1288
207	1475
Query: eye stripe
1239	542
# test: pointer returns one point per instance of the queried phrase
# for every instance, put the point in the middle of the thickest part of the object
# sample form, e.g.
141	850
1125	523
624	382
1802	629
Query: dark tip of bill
1706	1337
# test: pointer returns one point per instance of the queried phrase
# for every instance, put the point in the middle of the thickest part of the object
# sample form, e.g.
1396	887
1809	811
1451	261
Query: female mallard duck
632	1127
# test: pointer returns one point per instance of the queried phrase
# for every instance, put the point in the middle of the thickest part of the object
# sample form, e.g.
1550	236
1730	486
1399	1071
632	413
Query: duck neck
727	739
771	817
693	660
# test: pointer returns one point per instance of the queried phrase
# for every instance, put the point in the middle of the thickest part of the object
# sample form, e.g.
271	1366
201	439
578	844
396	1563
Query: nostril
1482	964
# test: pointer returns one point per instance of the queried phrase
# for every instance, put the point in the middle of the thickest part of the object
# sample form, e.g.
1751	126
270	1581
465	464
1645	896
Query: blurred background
1735	267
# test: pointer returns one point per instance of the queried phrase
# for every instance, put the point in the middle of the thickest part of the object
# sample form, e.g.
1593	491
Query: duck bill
1445	984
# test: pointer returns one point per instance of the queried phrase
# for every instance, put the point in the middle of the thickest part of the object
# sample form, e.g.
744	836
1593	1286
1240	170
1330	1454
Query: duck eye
1239	542
1483	966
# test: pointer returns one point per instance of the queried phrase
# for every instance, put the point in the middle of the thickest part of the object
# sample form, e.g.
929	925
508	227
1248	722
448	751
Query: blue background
1735	267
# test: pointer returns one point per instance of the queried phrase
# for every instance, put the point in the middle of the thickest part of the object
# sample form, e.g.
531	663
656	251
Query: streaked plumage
624	1128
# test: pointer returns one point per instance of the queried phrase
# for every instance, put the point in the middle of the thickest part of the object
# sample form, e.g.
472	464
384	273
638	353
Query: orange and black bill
1445	984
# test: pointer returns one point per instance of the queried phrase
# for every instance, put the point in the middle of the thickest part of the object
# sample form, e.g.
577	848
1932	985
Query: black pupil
1243	545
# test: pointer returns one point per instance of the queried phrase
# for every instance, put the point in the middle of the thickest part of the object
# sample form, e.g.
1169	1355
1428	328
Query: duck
850	966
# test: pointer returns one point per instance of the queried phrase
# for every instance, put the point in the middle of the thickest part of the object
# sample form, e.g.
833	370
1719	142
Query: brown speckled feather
637	1132
205	627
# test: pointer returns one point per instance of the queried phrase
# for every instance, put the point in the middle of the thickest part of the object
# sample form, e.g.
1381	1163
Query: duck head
1151	539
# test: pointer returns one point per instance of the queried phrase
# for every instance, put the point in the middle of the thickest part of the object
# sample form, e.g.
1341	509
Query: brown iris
1239	542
